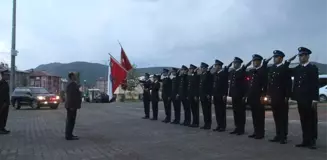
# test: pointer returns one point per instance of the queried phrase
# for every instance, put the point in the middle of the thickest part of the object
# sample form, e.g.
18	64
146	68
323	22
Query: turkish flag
118	74
124	60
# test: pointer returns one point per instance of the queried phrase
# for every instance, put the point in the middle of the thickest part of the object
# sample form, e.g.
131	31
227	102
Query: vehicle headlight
57	97
40	97
265	98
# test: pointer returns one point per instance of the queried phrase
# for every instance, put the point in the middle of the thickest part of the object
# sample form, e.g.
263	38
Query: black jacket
155	87
146	88
193	85
166	87
73	96
306	83
238	83
205	84
220	83
279	82
4	93
182	87
258	82
174	86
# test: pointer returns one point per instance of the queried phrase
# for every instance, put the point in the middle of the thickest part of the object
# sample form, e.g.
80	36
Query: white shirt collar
279	64
305	64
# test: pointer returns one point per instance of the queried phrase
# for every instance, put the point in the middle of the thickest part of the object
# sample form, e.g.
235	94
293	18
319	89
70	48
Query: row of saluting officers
192	86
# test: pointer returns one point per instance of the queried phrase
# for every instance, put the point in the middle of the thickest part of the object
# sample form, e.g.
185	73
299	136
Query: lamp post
13	49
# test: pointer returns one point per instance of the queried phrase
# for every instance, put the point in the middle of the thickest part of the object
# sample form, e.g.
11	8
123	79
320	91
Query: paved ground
116	131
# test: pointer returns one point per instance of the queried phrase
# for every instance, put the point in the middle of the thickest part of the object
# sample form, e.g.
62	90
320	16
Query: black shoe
166	121
174	122
4	131
275	139
145	117
216	129
312	146
240	133
221	130
259	137
252	136
194	125
233	132
72	138
302	145
185	124
154	119
283	141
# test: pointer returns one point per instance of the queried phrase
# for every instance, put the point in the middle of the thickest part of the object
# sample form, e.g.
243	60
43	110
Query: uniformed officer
166	94
4	100
182	95
155	87
257	90
146	95
174	91
219	92
306	93
237	92
205	87
279	87
193	95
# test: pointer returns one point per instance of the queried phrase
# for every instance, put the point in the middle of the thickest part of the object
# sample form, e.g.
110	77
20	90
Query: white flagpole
110	92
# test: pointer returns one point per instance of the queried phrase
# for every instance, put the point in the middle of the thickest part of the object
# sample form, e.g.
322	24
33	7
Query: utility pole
13	49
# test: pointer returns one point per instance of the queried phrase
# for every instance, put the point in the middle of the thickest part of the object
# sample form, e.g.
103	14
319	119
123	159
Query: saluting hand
230	64
248	64
267	60
292	58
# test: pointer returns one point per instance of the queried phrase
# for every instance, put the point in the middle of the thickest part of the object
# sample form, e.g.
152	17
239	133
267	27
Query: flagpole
110	92
123	50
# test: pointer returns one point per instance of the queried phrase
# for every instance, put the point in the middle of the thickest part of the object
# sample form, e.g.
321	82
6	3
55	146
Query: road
116	131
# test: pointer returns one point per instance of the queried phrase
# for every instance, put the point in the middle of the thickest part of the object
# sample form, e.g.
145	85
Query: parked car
323	94
35	97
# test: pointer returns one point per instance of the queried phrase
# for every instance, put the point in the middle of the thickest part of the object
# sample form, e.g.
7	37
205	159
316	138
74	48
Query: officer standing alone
155	87
205	87
257	90
306	93
237	92
72	104
193	95
166	94
174	91
219	92
146	95
4	100
279	88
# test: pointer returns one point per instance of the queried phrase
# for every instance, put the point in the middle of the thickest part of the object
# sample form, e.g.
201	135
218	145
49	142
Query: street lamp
13	49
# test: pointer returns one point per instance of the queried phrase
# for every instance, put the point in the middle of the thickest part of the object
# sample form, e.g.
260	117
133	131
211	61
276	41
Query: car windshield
39	90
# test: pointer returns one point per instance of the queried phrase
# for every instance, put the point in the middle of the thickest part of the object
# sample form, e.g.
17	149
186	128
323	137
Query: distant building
21	77
43	79
63	84
102	84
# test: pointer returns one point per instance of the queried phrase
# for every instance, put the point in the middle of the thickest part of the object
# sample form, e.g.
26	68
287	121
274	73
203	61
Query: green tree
132	79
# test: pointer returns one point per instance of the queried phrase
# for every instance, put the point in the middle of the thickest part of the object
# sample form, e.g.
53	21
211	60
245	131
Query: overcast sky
161	32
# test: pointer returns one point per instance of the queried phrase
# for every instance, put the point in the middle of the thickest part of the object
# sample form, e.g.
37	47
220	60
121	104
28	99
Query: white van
323	94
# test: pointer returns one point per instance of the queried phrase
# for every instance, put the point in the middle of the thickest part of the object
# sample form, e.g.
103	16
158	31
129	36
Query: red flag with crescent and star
124	60
118	73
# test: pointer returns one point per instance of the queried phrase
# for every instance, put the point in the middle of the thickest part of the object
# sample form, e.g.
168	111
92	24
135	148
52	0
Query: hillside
88	71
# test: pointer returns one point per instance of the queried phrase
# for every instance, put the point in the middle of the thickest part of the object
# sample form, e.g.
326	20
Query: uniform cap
174	69
192	66
237	59
184	67
165	70
204	65
218	62
303	50
256	57
278	53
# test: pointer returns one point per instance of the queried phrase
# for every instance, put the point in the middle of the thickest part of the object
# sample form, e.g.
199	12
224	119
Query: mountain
88	71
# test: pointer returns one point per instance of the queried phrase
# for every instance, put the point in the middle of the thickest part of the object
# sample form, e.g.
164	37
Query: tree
132	79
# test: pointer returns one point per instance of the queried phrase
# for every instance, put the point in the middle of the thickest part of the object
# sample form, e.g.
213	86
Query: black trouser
239	113
70	122
167	105
146	103
258	115
194	104
220	111
155	109
4	110
308	118
177	109
187	111
206	110
280	113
